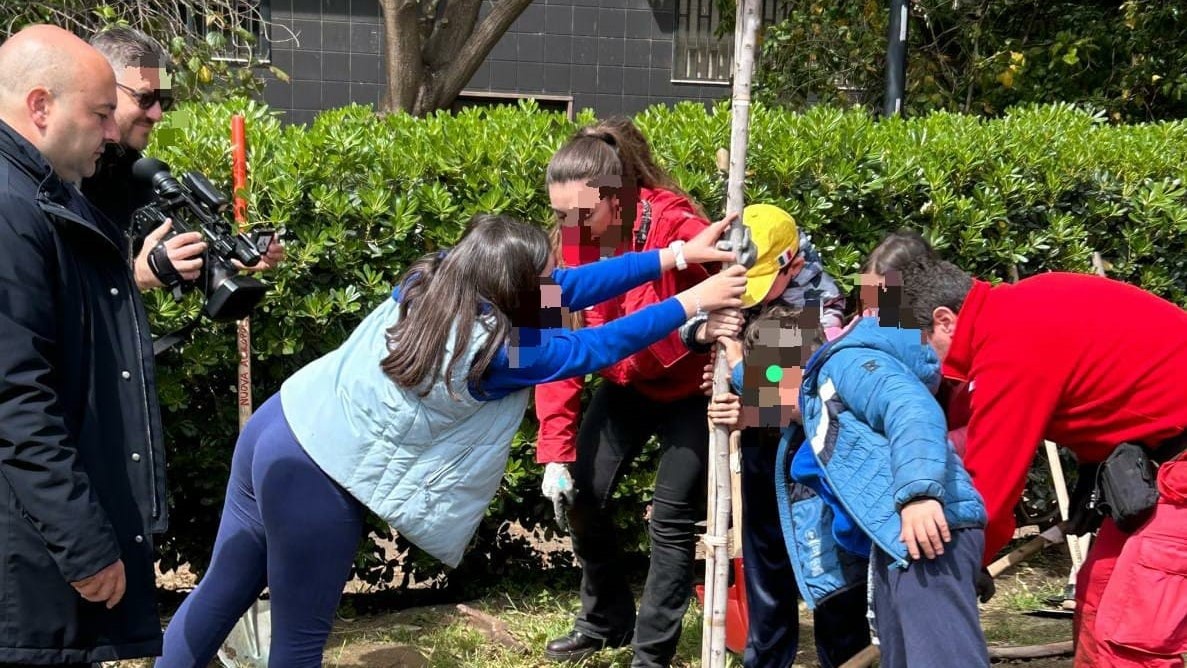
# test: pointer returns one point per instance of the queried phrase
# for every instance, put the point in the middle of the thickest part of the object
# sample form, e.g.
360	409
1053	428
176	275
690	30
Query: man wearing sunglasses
143	94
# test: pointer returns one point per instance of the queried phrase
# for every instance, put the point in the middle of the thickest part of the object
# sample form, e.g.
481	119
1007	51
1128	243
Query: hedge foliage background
361	196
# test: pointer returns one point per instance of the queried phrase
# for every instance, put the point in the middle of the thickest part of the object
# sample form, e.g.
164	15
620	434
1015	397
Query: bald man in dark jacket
81	458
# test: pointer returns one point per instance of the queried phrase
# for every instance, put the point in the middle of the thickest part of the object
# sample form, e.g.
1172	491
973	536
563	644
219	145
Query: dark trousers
56	665
926	616
840	627
617	425
285	524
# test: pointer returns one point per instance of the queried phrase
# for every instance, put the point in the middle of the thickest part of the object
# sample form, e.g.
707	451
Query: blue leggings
286	525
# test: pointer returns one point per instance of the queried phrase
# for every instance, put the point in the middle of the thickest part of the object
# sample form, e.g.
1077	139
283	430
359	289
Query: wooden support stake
735	546
713	649
255	624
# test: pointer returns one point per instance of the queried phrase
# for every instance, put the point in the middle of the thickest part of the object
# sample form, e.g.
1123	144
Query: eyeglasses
146	100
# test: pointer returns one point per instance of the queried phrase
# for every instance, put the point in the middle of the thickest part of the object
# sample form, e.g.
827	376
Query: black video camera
195	205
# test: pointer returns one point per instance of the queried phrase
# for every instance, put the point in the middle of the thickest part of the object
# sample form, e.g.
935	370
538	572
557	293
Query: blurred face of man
76	122
137	84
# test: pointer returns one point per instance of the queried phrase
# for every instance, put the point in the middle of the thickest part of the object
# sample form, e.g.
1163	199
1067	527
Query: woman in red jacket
610	197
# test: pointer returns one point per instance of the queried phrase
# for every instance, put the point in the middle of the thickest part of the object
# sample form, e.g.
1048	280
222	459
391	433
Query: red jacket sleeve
558	408
1012	399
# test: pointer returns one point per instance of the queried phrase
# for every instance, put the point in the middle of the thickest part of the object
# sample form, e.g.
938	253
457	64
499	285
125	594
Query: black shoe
576	646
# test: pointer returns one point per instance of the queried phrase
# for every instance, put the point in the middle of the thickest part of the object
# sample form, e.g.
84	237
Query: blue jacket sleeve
535	356
888	397
594	283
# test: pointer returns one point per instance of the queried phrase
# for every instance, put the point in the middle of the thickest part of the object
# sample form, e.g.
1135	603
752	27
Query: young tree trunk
713	649
433	47
401	53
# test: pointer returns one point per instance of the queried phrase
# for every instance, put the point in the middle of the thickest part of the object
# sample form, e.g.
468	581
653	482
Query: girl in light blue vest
412	418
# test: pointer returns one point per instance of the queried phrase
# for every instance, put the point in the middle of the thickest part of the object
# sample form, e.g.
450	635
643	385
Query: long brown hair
896	251
483	278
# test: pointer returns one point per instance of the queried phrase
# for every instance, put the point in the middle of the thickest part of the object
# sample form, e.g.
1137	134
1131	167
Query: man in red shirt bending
1089	363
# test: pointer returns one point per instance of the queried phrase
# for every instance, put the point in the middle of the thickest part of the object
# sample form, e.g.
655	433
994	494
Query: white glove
558	486
558	483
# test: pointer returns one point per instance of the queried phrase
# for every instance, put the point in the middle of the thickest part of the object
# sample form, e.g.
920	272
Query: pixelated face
138	87
870	287
589	217
881	295
77	124
774	373
539	309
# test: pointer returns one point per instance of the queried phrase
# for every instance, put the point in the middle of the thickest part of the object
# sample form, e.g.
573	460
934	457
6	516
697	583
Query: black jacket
81	457
115	192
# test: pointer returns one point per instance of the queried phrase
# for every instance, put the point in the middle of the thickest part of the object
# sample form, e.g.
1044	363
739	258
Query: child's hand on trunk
725	410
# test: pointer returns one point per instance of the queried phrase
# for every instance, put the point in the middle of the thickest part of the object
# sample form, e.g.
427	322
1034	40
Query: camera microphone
156	173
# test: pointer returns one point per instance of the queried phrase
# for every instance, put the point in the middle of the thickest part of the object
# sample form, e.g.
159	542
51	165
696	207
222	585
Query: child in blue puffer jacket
888	485
787	277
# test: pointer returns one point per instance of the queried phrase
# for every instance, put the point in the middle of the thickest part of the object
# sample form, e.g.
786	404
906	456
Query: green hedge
362	196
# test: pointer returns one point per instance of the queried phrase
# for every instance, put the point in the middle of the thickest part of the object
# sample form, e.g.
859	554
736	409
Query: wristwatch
677	248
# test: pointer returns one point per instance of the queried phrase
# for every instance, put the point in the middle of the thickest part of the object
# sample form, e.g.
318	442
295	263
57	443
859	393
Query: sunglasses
146	100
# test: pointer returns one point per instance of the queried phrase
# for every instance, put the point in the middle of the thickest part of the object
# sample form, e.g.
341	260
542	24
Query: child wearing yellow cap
788	269
786	281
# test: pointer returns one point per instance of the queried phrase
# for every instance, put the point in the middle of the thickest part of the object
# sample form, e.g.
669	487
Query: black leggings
617	424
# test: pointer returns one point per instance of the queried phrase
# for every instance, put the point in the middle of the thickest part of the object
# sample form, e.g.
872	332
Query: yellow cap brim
757	287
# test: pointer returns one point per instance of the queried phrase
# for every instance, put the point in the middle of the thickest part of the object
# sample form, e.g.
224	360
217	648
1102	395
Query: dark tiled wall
614	56
333	56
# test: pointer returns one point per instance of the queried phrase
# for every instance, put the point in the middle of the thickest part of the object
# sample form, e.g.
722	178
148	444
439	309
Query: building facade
613	56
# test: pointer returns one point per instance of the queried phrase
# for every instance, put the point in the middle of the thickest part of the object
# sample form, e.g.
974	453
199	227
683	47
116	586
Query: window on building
237	28
477	98
700	55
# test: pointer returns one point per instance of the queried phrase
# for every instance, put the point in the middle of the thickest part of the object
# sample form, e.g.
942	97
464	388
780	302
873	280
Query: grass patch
1025	597
444	638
